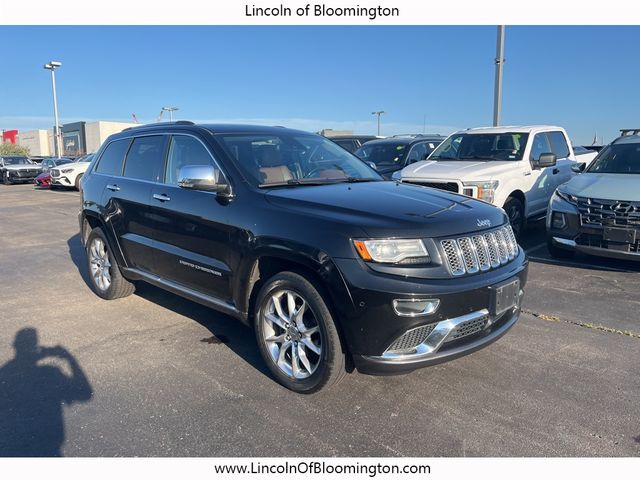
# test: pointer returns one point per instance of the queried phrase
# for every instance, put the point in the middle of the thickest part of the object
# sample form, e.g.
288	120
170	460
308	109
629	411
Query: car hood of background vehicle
608	186
457	169
22	167
388	209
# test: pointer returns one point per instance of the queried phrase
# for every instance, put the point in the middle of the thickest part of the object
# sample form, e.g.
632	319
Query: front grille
411	339
55	172
608	213
448	186
469	328
467	255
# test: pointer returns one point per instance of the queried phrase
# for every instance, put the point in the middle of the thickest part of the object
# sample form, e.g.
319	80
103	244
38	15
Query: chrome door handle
113	188
162	197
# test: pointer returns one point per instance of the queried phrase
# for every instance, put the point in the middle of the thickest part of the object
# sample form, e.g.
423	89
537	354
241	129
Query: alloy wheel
100	264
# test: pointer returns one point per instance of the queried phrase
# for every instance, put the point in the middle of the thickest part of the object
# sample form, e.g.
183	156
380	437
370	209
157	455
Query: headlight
484	190
67	170
405	251
567	197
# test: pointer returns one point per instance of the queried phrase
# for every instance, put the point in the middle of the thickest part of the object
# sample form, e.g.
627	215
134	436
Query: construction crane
135	118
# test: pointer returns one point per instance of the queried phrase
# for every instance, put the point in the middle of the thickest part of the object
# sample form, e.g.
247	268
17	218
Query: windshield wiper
476	157
316	181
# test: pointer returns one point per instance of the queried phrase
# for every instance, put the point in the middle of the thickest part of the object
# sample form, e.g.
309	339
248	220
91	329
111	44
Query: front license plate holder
504	296
619	235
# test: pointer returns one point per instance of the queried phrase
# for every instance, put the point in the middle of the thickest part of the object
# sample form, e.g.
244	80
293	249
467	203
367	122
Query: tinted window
112	157
185	150
559	144
482	146
145	158
384	154
418	152
540	145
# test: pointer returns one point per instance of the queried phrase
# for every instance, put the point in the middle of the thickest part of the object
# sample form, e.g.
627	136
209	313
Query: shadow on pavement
32	394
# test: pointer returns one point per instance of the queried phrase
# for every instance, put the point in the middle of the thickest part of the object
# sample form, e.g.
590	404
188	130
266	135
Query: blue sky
583	78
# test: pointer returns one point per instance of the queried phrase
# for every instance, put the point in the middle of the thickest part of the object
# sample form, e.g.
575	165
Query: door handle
526	174
162	197
113	188
556	170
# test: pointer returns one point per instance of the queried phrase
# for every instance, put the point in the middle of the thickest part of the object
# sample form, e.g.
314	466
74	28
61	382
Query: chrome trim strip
434	304
565	241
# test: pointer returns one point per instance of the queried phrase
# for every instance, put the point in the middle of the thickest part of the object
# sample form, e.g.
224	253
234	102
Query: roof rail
160	124
629	131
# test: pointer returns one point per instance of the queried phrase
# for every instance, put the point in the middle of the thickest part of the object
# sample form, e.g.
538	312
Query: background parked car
394	153
598	212
352	143
69	175
517	168
584	154
18	170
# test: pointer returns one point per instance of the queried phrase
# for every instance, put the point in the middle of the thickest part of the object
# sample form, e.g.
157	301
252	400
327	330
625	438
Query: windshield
290	159
17	161
62	161
387	154
482	146
617	158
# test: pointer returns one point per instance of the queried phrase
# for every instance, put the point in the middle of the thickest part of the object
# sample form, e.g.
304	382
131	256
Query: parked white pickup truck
517	168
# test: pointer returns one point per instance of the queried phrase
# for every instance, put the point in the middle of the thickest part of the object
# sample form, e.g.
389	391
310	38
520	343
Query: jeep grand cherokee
291	234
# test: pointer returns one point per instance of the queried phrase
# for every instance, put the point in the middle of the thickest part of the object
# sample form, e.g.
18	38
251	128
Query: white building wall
39	142
97	132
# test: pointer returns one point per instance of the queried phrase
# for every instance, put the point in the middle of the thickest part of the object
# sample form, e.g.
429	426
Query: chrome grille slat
600	212
480	252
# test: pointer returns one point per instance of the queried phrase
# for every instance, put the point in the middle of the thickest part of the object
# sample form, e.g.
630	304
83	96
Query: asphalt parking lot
154	374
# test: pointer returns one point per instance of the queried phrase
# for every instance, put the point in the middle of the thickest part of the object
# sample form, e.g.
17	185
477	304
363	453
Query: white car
516	168
69	174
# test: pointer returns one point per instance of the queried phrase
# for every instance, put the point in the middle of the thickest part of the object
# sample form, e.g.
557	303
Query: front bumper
373	326
19	177
590	239
62	181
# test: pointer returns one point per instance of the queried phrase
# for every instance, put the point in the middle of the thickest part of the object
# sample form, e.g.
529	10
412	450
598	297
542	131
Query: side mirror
202	177
546	160
579	167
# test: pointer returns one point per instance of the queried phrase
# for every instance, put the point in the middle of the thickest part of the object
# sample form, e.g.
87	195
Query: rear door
127	192
191	227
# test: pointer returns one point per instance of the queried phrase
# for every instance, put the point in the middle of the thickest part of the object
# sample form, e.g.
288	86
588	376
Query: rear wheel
105	277
297	335
515	212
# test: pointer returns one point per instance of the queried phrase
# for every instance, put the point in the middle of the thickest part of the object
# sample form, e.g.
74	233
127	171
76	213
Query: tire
100	259
515	212
320	357
558	252
77	182
5	179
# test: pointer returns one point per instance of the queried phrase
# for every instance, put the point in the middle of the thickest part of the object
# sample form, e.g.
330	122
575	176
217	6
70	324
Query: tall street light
170	110
52	65
497	94
378	114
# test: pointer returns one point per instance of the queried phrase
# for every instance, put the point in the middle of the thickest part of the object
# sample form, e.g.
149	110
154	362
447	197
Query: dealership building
78	138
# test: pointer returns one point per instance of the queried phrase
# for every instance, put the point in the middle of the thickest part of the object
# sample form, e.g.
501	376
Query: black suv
392	154
291	234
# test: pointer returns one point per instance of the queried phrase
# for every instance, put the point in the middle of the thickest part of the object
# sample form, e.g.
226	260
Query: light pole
52	65
497	95
170	110
378	114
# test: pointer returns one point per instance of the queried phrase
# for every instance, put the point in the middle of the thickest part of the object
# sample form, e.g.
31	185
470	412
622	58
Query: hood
22	167
389	209
607	186
75	166
457	170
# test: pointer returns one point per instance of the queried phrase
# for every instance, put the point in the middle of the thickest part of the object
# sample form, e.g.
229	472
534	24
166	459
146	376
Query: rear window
112	157
145	158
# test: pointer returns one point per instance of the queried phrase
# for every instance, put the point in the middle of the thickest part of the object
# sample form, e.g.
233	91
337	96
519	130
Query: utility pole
378	114
497	98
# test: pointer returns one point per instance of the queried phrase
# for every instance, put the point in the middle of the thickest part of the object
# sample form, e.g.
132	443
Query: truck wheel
558	252
297	335
515	212
77	183
106	280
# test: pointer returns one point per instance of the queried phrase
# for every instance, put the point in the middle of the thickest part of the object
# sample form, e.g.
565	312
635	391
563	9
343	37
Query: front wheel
515	212
297	335
5	179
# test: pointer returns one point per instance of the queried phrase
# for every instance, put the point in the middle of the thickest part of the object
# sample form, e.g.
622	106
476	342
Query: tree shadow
32	393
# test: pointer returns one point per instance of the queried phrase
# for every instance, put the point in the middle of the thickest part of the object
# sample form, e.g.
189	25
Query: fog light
414	307
558	221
